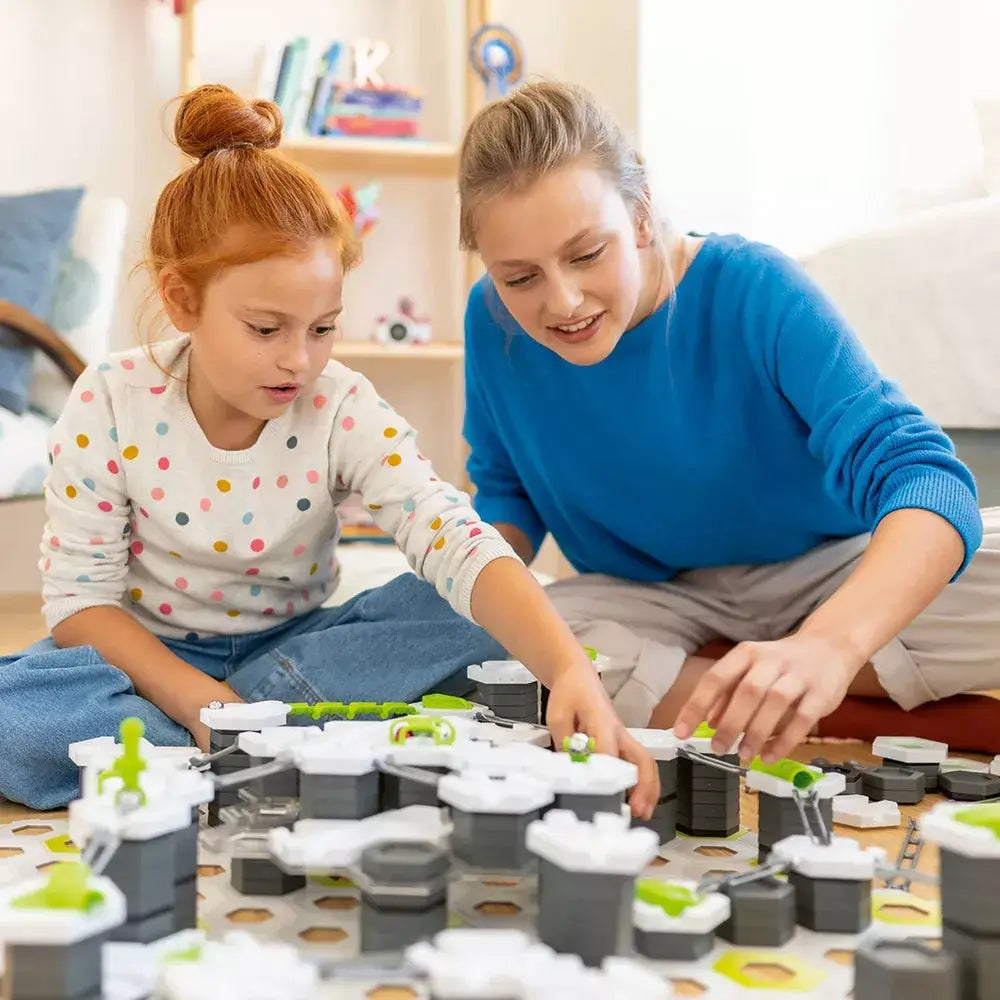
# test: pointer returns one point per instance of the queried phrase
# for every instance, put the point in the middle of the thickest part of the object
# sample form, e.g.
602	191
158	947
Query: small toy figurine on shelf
403	326
360	205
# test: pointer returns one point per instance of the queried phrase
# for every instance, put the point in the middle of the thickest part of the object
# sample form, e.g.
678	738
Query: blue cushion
35	231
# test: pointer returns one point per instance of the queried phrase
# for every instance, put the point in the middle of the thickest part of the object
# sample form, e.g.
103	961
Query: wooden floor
21	621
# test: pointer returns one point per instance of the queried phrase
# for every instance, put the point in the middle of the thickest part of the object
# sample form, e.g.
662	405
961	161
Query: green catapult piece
129	765
437	727
351	710
703	732
591	652
579	746
672	899
986	815
443	702
66	889
791	771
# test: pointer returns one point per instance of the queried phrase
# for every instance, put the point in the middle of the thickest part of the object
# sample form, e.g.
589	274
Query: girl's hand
578	703
211	690
773	692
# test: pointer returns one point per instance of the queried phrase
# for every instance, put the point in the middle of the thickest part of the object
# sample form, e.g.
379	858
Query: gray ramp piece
48	972
904	970
583	913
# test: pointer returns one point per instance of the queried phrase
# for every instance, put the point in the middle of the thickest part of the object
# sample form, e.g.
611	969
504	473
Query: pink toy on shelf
403	326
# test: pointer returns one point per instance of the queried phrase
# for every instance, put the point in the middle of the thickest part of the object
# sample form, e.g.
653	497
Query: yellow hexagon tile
898	908
61	844
769	970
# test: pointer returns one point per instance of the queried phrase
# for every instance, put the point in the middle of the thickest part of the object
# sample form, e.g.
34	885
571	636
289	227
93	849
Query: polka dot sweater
144	513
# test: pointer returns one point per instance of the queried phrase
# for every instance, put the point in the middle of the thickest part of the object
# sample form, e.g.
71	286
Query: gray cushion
35	230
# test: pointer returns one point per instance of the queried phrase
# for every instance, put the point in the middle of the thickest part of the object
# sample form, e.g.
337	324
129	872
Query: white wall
799	122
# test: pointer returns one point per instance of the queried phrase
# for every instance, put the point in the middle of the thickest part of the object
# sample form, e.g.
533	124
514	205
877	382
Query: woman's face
564	256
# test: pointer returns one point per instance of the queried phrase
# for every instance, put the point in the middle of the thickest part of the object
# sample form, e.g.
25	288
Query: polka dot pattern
130	453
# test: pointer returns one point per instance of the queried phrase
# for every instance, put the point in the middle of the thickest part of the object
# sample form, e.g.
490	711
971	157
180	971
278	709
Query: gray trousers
647	629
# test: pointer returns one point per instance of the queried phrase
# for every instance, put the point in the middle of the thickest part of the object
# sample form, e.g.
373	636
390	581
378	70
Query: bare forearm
158	675
518	541
910	559
511	605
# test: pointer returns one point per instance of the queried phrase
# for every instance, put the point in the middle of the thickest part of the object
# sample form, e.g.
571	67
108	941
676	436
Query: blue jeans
394	643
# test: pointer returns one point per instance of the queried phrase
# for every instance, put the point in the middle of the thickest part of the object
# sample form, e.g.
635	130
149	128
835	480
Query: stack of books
308	84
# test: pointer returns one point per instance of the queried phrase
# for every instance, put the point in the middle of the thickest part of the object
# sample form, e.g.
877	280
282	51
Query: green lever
672	899
66	889
129	765
791	771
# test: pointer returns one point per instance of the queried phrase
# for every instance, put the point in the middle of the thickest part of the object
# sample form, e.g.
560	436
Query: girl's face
564	256
262	332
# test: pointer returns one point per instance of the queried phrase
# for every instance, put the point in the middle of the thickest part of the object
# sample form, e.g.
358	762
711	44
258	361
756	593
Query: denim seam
292	675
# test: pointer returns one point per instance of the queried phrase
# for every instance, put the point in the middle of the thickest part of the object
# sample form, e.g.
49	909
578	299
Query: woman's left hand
772	692
578	703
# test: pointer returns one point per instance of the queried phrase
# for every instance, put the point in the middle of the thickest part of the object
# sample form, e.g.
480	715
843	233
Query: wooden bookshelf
370	350
381	157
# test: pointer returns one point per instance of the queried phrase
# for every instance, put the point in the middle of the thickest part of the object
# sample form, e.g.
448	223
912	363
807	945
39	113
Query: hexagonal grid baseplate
323	918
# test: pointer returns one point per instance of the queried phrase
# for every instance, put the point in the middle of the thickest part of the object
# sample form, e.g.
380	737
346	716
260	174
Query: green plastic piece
788	770
445	701
129	765
672	899
986	815
66	889
703	732
437	727
345	710
579	747
591	652
191	954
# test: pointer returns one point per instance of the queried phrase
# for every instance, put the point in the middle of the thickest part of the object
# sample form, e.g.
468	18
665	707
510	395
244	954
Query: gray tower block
586	881
925	756
978	957
708	798
902	970
403	894
777	811
589	787
490	817
262	877
266	746
762	913
897	784
675	923
969	786
832	882
968	836
662	746
225	723
508	688
337	779
144	871
53	952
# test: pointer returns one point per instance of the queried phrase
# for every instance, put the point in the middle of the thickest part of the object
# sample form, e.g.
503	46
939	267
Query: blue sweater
742	423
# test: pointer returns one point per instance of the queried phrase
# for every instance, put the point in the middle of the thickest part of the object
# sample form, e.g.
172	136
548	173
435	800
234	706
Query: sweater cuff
474	565
65	607
945	495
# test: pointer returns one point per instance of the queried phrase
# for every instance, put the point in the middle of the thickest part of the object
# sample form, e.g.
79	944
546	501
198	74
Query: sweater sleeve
373	451
881	453
500	494
85	545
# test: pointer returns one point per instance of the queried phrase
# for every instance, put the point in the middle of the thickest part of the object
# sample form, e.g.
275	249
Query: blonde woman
711	447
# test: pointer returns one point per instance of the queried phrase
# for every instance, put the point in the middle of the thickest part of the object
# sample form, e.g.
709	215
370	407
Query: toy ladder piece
100	848
807	803
907	859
